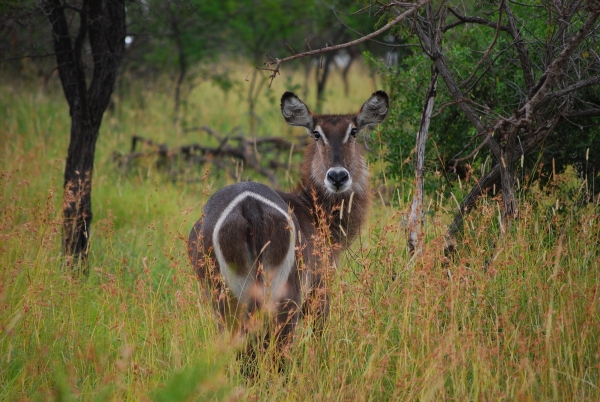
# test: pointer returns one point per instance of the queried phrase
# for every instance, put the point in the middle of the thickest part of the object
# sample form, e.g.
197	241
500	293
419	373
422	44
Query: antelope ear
295	112
374	110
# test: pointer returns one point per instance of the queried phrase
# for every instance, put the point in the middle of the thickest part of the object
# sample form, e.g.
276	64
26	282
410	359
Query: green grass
526	328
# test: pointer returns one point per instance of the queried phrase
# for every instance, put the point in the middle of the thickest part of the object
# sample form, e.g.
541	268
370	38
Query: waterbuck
259	249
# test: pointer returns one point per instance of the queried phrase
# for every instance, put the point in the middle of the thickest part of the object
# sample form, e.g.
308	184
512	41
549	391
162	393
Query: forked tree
97	25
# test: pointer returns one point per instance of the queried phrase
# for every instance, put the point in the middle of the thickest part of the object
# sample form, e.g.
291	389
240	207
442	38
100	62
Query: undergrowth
515	317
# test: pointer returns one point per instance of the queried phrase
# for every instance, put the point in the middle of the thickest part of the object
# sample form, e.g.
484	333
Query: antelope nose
338	177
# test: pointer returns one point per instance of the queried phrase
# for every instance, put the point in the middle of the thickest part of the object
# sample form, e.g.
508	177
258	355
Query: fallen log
264	155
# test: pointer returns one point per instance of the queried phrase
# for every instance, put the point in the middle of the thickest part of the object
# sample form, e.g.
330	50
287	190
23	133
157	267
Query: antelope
256	249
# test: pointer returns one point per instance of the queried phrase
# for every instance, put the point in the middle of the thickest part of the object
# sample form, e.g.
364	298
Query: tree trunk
103	23
486	182
252	102
507	182
77	202
307	67
182	60
322	72
415	236
353	54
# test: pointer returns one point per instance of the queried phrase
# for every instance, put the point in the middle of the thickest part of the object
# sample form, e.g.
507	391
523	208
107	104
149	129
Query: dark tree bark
103	24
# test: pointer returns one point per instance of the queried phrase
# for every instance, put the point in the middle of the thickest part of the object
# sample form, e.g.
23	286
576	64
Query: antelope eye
354	131
317	135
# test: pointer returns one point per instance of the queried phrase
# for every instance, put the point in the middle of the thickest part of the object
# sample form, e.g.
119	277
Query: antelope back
251	234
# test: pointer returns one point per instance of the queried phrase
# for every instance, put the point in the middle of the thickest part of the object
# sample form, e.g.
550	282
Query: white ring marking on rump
239	285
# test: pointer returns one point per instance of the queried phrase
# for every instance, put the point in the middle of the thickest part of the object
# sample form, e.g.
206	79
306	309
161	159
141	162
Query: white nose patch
337	180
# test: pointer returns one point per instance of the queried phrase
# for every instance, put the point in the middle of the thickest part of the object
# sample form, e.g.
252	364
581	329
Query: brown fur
254	236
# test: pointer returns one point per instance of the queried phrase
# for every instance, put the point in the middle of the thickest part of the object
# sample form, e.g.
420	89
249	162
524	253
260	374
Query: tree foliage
520	79
525	82
494	84
497	72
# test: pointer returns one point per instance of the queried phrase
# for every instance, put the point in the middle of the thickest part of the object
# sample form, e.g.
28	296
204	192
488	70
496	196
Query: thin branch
458	96
522	50
454	161
583	113
575	87
527	5
489	49
547	80
536	138
485	183
564	21
473	20
488	68
483	108
335	12
275	63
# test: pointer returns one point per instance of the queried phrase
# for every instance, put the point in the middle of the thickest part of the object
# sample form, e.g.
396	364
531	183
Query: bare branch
464	106
483	108
583	113
537	137
455	161
276	63
564	20
521	48
393	45
489	49
485	183
547	80
473	20
575	87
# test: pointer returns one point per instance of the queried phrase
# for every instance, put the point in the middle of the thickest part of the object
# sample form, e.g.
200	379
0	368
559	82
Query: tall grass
517	318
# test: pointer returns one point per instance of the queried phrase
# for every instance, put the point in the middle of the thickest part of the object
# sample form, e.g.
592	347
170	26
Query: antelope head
334	161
